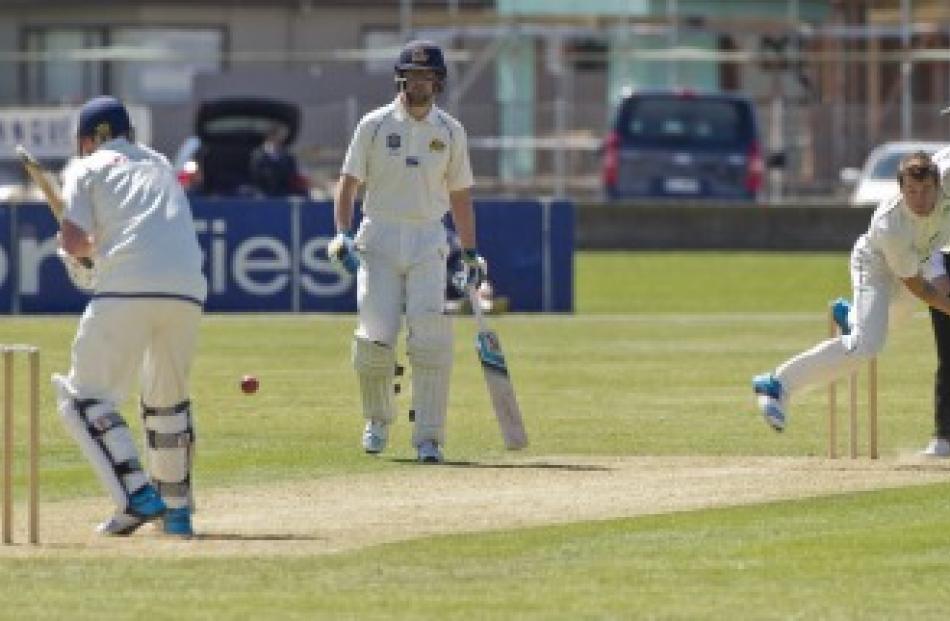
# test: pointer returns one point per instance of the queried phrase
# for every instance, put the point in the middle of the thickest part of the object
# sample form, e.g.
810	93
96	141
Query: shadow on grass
520	466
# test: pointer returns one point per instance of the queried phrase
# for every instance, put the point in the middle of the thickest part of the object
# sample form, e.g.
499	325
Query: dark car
684	144
216	160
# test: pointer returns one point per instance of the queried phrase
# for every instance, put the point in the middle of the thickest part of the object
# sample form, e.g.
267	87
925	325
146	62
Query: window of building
146	65
58	69
382	47
171	58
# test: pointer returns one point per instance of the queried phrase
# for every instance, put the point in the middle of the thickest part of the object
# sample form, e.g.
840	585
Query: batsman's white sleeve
77	196
355	162
459	174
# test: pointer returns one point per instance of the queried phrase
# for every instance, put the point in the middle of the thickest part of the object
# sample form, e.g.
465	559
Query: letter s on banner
248	261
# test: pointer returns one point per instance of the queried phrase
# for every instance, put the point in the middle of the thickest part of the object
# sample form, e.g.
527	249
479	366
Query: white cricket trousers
403	271
879	300
119	338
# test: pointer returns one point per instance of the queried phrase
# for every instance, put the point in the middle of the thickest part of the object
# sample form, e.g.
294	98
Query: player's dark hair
917	166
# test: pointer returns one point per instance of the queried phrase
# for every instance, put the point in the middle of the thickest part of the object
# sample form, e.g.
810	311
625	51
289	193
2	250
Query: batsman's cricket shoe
375	436
938	447
145	505
177	522
429	452
840	309
770	396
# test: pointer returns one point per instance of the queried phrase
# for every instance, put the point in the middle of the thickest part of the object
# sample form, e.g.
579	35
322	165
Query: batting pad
104	439
375	365
169	438
429	347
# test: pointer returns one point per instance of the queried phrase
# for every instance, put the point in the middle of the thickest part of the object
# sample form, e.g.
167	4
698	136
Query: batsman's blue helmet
422	55
103	117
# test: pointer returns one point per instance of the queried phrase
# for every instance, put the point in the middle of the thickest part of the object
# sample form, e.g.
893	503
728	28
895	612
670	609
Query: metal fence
817	139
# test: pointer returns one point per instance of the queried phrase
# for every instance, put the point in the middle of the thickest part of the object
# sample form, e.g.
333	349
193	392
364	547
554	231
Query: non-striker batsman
412	159
126	211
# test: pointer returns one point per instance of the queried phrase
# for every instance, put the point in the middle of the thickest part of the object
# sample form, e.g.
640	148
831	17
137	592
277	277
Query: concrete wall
725	226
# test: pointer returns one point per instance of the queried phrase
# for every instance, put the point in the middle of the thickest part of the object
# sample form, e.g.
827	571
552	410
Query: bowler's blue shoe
178	522
145	505
770	396
840	309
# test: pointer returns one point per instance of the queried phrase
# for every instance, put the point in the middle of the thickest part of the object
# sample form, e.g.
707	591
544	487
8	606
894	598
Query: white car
877	180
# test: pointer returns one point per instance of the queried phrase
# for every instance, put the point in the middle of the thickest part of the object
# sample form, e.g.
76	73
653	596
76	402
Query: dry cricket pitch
349	512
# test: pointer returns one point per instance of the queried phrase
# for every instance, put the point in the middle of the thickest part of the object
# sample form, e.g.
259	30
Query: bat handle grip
476	303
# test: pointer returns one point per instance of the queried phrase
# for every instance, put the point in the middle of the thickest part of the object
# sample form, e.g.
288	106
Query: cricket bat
43	181
500	388
50	189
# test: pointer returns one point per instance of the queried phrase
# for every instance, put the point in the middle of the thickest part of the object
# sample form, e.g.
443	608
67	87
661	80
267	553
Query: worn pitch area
349	512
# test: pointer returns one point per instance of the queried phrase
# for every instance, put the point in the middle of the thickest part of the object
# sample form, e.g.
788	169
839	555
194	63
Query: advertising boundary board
269	255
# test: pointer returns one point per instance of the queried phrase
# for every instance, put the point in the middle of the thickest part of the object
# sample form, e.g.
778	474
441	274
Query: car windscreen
678	121
886	167
236	125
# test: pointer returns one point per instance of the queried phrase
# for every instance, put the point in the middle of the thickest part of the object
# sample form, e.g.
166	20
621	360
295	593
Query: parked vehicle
216	160
877	179
684	144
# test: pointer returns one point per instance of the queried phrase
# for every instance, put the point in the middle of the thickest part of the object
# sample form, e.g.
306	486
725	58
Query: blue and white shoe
840	309
375	436
145	505
771	399
429	452
177	522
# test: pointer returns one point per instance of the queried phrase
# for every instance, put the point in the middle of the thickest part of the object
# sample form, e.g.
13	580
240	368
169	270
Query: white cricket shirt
408	166
127	197
908	241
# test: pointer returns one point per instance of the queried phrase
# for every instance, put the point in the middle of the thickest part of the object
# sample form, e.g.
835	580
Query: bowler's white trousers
879	300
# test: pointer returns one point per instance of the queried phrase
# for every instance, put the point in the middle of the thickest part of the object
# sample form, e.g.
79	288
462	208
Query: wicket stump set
852	407
32	355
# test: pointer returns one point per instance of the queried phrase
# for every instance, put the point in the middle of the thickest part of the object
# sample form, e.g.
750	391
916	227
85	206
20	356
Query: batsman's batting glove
342	253
473	271
81	272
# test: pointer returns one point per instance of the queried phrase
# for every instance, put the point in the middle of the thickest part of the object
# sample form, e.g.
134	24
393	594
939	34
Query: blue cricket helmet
422	54
103	117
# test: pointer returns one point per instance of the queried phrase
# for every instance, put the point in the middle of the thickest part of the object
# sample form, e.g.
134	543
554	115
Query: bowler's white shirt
409	167
127	197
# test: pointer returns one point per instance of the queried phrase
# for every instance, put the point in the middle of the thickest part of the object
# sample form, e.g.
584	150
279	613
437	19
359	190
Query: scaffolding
827	91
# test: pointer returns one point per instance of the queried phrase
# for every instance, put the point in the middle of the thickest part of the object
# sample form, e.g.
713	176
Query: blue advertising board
270	255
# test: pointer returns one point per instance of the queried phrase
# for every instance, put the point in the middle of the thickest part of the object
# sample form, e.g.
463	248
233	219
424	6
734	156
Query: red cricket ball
249	384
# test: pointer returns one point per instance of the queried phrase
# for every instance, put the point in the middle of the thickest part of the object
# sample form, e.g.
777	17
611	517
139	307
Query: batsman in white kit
126	212
897	260
412	158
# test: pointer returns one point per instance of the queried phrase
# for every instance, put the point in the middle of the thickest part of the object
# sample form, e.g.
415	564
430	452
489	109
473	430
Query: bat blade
50	189
500	389
43	181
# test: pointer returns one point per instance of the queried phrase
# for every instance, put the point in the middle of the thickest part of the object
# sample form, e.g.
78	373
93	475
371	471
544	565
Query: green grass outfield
656	362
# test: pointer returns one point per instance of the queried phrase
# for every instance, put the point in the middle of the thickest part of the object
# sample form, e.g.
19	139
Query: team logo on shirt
437	145
393	141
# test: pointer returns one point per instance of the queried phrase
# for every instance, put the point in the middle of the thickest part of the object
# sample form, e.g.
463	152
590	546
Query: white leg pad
375	365
104	439
429	347
169	438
